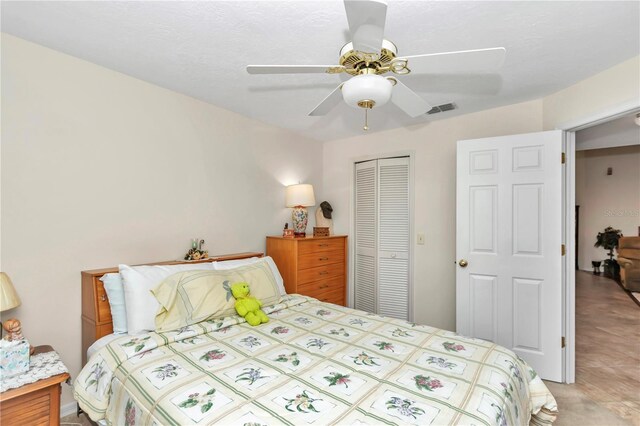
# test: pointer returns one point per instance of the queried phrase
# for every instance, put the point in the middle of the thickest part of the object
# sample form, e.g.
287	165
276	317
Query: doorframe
352	212
570	128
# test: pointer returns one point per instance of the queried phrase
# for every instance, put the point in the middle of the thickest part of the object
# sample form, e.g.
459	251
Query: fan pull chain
366	119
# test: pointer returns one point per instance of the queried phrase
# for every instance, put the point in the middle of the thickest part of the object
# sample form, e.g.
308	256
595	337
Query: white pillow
230	264
138	281
115	292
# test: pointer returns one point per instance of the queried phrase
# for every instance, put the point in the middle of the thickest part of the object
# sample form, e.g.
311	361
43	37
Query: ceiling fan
369	55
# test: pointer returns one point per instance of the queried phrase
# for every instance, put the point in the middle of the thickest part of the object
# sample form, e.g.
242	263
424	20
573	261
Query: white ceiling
201	48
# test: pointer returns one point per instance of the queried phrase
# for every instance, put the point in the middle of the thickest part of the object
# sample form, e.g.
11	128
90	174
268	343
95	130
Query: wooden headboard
96	312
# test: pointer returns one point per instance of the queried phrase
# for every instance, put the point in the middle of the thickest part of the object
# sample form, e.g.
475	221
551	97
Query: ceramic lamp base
299	216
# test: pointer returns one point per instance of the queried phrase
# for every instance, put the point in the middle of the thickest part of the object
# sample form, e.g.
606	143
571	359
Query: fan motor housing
356	62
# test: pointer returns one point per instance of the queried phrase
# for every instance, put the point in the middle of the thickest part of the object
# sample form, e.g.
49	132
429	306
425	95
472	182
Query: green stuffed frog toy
248	306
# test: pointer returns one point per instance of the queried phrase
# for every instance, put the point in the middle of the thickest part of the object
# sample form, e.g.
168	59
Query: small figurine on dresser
287	232
15	350
323	216
13	330
196	252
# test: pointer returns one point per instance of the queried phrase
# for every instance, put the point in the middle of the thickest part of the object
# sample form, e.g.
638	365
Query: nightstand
312	266
33	403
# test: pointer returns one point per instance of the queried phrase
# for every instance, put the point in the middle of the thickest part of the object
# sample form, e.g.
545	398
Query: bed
312	363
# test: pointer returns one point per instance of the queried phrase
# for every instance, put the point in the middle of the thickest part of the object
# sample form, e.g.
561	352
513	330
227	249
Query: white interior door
509	233
382	230
393	237
366	211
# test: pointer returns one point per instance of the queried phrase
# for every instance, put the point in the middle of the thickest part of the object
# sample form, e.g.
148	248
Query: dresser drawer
329	294
335	297
104	310
336	301
30	409
320	273
323	285
319	246
312	260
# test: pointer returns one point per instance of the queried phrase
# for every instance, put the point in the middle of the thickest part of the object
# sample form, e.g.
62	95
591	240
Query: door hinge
563	343
564	158
563	249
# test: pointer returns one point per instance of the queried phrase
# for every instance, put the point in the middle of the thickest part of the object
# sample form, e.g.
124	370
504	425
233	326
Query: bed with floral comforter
313	363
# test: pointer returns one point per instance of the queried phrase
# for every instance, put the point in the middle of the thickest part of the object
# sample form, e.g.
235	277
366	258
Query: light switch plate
420	239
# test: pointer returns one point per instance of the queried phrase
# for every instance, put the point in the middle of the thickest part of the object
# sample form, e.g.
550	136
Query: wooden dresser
35	403
312	266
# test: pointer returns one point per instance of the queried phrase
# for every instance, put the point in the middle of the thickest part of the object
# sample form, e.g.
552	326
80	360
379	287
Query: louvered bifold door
365	236
393	237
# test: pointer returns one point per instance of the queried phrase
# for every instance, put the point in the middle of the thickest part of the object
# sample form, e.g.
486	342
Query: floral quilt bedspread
313	363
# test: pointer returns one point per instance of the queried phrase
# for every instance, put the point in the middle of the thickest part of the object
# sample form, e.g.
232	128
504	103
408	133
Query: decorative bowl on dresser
312	266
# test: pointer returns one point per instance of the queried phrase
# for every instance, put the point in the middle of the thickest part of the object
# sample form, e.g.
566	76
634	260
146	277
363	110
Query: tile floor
607	388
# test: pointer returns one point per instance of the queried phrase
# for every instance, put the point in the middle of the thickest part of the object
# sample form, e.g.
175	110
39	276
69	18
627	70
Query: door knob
463	263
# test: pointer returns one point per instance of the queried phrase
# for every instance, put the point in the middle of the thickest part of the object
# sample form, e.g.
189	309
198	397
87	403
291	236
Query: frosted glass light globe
367	87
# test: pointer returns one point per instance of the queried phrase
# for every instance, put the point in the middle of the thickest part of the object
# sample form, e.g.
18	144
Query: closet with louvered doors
382	230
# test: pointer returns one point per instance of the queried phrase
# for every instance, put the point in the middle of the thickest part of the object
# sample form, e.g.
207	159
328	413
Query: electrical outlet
420	239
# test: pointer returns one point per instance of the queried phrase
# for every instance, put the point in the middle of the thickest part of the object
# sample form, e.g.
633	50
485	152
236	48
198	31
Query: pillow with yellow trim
193	296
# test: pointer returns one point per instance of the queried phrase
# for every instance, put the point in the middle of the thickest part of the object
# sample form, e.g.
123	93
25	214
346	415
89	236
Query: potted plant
608	240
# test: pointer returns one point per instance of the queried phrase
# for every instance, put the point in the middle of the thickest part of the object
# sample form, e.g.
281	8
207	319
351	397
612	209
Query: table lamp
9	299
300	197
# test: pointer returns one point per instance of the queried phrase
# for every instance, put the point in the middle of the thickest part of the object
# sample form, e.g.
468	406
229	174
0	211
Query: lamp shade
300	195
8	297
367	87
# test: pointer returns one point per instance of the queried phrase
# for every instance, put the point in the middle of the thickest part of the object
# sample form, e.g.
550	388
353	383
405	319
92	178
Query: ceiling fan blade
366	22
462	62
328	103
408	100
294	69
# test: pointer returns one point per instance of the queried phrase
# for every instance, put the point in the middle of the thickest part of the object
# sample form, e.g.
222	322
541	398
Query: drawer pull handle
324	286
323	258
323	272
103	298
323	245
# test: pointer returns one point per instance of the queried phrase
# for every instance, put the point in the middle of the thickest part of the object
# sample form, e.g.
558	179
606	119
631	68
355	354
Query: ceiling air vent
441	108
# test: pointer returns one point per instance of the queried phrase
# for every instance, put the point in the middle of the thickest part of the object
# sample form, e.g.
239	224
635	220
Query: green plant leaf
188	403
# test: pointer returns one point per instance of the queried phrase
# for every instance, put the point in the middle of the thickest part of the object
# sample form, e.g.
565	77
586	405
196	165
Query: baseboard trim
69	408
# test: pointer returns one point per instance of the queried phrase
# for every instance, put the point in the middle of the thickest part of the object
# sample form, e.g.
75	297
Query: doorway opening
607	201
590	133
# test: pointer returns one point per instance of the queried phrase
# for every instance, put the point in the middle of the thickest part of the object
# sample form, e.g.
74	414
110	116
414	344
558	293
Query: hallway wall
606	200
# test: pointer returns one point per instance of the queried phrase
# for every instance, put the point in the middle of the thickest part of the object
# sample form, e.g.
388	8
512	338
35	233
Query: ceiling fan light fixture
367	91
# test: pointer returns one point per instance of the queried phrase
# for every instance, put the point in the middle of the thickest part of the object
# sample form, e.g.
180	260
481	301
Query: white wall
99	168
606	200
615	86
434	147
